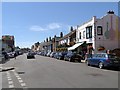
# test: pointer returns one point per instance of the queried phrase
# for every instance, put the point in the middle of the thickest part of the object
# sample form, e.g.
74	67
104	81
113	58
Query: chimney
110	12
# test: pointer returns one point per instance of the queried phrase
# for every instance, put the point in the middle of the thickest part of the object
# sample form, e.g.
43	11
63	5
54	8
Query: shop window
99	30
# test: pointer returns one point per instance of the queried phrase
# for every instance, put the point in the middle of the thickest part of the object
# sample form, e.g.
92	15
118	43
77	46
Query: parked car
39	53
45	54
48	54
4	57
52	54
42	53
103	60
72	56
11	54
20	53
61	55
30	55
56	55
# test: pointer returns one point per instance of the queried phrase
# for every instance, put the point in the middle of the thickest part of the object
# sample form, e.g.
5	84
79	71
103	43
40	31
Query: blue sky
31	22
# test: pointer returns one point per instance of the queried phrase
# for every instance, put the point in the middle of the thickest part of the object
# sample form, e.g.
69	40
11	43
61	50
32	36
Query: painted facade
67	41
8	42
100	32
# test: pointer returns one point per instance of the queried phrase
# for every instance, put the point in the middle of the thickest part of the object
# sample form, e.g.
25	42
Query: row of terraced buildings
93	36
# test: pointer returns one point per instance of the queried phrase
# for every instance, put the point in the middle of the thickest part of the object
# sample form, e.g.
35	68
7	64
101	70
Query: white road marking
10	82
23	84
17	76
9	79
20	80
11	86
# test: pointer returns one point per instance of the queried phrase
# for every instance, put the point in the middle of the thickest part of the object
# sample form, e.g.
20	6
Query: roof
69	34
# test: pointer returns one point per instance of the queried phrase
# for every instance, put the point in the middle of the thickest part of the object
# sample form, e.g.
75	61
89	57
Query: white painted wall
98	40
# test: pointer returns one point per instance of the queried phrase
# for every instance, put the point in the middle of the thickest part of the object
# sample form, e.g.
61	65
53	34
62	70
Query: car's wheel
101	65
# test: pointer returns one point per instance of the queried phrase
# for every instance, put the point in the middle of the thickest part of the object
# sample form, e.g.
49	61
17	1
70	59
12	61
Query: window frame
83	34
80	35
88	32
99	32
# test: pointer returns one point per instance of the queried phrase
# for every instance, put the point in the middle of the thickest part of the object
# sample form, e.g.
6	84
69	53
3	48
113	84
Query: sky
31	22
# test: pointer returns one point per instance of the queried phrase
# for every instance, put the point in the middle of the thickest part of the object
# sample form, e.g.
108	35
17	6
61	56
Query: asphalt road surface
46	72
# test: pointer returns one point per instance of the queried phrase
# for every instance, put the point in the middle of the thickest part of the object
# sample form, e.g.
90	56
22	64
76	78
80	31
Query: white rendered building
100	32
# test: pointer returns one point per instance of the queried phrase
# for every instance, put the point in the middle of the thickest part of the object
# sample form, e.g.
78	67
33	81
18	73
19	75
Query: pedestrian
15	55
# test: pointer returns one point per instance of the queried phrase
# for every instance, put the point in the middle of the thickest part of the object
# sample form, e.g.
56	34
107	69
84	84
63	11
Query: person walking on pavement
15	55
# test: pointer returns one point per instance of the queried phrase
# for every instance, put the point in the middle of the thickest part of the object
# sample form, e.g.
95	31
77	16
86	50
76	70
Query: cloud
54	26
37	28
51	26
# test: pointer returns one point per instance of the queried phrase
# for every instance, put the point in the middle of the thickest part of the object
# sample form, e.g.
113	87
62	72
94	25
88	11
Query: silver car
2	58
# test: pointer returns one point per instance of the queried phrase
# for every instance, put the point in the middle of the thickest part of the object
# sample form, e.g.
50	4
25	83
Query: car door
97	60
93	59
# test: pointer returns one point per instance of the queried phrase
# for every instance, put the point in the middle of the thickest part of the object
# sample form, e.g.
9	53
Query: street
46	72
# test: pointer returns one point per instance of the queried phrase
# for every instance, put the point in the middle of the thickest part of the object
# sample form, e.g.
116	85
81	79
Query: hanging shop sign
101	48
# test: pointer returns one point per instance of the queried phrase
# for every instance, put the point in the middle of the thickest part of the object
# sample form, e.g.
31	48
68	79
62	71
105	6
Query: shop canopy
75	46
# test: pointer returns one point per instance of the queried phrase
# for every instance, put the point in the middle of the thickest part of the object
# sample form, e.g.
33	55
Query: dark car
48	54
52	54
11	54
4	57
56	55
30	55
73	56
61	55
103	60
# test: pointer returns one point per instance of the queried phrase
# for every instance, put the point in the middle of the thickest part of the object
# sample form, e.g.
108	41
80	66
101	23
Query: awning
75	46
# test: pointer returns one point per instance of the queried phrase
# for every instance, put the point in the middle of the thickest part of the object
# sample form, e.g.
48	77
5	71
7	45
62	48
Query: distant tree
54	36
32	47
61	34
46	39
49	38
37	44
